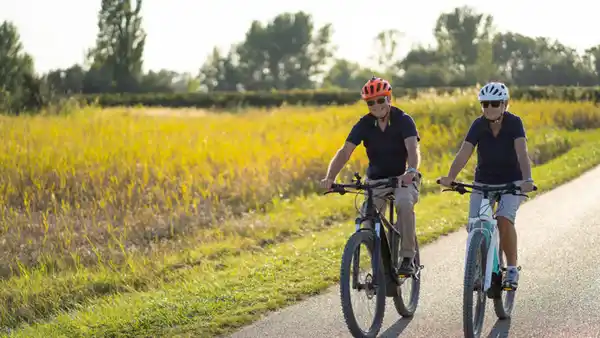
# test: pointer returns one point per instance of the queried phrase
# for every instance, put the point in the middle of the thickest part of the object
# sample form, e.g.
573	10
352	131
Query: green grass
199	293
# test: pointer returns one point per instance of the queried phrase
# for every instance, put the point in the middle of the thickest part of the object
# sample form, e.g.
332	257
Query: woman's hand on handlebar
526	187
445	181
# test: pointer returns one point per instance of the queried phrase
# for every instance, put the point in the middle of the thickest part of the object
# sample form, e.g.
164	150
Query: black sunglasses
494	104
378	101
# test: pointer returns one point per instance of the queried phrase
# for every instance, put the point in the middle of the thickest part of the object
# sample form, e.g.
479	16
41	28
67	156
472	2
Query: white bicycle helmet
494	91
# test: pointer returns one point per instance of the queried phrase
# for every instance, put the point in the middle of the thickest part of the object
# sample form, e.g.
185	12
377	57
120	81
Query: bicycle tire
471	329
353	243
405	310
503	307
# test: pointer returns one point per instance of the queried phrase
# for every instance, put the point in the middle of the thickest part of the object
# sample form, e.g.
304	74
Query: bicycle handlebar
461	188
391	182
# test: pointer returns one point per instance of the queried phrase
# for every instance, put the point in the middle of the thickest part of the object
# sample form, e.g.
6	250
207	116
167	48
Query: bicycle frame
372	215
488	225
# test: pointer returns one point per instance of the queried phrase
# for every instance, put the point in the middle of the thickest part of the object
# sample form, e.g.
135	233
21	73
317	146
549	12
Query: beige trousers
405	199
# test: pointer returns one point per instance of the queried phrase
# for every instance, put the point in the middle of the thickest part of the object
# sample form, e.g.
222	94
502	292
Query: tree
19	88
592	59
286	53
222	72
460	33
386	49
66	81
119	47
348	75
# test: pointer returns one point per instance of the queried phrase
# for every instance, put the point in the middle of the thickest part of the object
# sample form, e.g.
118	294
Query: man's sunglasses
494	104
380	100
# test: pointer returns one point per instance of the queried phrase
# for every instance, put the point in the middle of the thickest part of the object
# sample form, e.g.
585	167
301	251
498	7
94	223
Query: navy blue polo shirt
385	149
497	161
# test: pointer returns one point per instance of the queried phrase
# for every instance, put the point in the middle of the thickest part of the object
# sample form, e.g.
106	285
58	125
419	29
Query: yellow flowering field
70	185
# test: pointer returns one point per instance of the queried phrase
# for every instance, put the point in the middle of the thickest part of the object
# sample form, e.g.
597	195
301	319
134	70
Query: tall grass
92	186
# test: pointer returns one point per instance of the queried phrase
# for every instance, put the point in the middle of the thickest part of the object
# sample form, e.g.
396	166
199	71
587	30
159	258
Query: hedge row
315	97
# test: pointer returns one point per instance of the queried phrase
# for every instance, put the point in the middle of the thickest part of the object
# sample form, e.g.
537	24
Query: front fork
376	250
490	232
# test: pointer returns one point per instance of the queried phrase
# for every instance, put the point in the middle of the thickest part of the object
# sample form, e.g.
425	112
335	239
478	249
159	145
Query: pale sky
181	33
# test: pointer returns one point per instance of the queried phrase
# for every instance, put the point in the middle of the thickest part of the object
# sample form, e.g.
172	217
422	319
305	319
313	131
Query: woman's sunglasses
494	104
380	100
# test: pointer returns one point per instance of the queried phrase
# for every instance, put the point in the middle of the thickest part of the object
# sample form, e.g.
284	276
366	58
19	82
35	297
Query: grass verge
218	297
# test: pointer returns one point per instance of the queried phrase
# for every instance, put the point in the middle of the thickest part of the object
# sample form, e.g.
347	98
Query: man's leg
406	198
506	215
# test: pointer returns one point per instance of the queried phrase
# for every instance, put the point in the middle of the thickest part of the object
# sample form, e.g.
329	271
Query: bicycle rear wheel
374	286
474	281
408	308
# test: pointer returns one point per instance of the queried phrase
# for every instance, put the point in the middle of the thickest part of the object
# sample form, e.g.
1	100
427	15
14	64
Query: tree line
290	52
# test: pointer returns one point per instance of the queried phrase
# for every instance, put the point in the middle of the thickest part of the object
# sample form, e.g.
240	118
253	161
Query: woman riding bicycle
502	158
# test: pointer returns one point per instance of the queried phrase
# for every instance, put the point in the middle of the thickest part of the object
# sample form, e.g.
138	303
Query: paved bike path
559	287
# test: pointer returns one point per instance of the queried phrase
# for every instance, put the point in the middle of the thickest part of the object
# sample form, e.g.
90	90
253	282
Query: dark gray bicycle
384	252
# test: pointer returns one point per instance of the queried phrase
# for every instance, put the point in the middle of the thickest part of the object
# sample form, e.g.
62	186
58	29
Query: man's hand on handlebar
391	182
326	183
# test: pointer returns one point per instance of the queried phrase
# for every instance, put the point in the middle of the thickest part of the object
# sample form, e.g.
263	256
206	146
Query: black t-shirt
497	161
385	149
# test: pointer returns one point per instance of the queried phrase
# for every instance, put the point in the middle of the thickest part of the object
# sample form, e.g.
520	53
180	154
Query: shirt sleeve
409	128
519	129
473	133
356	135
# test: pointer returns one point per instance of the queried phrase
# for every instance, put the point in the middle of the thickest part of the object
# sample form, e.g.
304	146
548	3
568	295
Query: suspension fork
372	216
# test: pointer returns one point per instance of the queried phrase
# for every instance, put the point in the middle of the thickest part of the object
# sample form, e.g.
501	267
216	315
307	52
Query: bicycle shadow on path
396	329
500	329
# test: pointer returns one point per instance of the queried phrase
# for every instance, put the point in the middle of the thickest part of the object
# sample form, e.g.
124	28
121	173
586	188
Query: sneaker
407	267
511	279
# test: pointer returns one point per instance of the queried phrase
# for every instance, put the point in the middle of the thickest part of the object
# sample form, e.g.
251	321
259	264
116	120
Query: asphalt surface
559	286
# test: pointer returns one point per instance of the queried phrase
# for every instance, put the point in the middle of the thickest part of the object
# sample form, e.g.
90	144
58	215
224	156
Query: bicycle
483	248
385	280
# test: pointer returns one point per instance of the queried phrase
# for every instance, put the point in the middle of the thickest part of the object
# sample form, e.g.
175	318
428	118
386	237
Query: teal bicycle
484	263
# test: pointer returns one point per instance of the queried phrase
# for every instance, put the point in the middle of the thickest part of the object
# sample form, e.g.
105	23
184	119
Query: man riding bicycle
391	140
502	158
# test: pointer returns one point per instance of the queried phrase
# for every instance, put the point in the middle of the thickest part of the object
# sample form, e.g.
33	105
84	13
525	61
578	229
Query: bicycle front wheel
473	295
354	283
504	304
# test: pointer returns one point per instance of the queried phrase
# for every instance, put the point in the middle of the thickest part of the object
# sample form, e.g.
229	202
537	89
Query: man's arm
411	142
339	160
413	152
523	157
